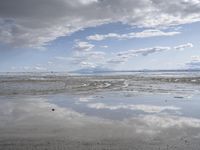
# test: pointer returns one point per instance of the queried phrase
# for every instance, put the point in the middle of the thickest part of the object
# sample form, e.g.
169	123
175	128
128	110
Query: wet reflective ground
119	112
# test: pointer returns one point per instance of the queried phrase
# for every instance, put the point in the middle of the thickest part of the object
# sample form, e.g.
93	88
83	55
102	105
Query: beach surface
140	111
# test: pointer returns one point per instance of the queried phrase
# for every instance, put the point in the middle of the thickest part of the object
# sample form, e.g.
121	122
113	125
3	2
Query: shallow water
155	115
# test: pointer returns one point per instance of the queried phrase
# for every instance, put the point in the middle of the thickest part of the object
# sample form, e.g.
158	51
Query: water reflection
96	117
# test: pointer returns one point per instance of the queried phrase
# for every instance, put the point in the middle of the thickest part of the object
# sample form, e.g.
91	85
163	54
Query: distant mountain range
92	70
105	70
99	70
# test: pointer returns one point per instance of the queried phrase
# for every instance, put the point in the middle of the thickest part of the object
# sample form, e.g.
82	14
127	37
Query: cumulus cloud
83	46
184	46
85	64
93	59
35	23
147	51
61	58
117	61
151	50
96	54
144	51
91	55
104	46
83	57
143	34
88	59
124	56
120	59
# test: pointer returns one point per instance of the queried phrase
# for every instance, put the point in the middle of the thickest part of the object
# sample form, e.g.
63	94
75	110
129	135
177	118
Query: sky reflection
83	116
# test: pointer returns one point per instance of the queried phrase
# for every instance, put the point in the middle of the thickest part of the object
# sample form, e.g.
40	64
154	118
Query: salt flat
139	111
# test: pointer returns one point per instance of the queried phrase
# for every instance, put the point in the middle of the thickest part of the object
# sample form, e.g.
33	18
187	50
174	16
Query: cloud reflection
34	116
144	108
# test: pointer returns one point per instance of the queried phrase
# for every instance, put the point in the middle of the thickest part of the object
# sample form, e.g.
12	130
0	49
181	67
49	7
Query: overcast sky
66	35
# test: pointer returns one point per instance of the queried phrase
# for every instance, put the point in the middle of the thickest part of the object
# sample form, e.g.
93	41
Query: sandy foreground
99	112
116	144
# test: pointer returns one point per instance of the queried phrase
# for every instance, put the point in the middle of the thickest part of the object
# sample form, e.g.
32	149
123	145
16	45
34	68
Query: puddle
105	119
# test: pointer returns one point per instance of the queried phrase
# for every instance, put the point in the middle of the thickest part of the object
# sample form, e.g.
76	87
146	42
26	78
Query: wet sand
29	84
107	144
139	112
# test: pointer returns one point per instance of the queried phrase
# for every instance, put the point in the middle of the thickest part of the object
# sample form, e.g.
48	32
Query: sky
66	35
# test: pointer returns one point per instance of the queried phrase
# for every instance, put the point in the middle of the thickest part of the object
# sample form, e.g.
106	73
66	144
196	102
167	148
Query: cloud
86	2
119	59
124	56
86	98
84	58
104	46
83	46
35	23
88	59
95	54
184	46
148	51
98	37
144	51
61	58
88	55
151	50
37	68
194	63
22	116
163	122
143	34
195	58
87	64
144	108
93	59
50	63
116	61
